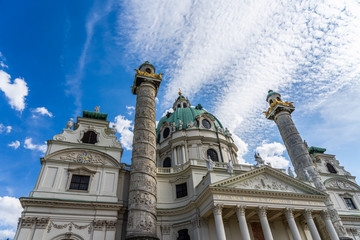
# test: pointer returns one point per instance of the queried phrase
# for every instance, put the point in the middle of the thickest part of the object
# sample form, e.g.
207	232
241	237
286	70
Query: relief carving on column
240	210
142	200
262	211
143	182
217	210
325	214
143	224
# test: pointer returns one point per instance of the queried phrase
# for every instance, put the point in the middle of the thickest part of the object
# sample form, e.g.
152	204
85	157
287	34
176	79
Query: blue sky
61	57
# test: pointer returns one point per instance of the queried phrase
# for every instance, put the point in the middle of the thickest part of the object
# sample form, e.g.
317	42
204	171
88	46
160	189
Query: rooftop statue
259	160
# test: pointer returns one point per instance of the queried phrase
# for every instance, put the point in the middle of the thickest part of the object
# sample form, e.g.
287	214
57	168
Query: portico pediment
267	179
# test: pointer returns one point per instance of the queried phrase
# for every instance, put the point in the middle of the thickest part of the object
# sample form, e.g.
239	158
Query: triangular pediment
267	179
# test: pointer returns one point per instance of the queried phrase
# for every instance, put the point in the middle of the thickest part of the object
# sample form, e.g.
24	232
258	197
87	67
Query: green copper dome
186	115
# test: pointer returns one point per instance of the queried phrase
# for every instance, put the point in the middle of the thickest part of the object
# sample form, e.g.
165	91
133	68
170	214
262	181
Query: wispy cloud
125	128
98	12
15	144
130	110
2	61
42	111
4	128
15	92
28	144
229	53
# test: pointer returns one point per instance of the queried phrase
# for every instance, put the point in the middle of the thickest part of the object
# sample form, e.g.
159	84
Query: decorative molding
240	210
69	225
57	203
165	229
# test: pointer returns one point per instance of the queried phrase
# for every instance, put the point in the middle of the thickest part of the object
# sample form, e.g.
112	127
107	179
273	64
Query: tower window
271	101
179	105
349	203
89	137
184	105
148	70
206	124
183	234
167	162
79	182
181	190
278	98
213	154
166	132
331	168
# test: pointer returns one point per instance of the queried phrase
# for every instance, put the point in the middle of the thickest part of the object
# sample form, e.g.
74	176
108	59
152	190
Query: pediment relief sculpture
266	182
267	179
84	156
341	184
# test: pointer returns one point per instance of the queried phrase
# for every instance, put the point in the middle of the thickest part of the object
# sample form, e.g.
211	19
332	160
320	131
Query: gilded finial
180	93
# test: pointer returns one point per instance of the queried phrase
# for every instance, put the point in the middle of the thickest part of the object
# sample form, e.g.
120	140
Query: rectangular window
181	190
79	182
349	203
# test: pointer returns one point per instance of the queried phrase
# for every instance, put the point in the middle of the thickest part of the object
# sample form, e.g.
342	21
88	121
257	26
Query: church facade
185	181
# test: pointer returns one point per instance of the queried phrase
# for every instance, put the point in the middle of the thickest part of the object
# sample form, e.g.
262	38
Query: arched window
213	154
148	70
183	234
179	105
89	137
167	162
271	101
331	168
278	98
206	124
184	105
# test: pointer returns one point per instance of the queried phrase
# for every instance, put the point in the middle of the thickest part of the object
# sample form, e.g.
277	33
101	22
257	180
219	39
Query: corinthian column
265	223
244	231
292	224
219	224
142	193
310	222
329	226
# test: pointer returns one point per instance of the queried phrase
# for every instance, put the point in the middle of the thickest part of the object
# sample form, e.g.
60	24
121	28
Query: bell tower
280	112
143	183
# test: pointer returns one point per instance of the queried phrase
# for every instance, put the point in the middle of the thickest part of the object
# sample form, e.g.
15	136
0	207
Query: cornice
59	203
269	194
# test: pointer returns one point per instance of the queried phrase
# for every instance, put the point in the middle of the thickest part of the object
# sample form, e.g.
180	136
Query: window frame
353	207
331	166
167	158
86	131
184	193
83	172
217	155
80	182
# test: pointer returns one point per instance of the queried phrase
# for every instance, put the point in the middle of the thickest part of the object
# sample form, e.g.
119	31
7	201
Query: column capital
262	211
217	209
240	209
307	213
289	212
325	214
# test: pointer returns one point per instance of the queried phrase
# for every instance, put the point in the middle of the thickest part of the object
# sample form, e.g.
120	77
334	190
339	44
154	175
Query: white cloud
97	13
10	210
273	153
42	111
125	128
234	51
38	147
15	92
242	146
15	144
130	109
4	128
2	60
